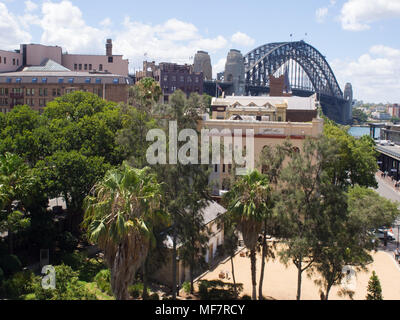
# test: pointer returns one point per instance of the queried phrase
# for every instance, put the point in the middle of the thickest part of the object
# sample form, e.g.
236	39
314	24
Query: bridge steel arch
265	60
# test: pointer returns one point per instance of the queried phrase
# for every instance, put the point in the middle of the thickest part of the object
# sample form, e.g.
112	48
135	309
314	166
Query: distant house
216	239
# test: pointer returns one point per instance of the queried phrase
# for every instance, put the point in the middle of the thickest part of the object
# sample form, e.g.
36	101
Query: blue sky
358	37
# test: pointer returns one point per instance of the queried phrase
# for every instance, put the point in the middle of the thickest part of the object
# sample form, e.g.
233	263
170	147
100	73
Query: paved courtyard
280	283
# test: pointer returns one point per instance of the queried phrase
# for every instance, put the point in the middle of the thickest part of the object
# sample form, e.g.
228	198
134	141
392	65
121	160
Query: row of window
167	89
61	80
3	60
182	79
86	66
43	92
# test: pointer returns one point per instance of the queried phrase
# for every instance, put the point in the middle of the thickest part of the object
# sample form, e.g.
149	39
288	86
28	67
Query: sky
358	37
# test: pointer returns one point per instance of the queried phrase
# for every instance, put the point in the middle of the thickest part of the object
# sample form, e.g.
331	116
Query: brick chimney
109	48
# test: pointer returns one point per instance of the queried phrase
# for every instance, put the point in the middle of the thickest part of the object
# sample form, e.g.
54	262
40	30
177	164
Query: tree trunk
174	266
233	276
253	260
145	282
263	257
191	278
299	279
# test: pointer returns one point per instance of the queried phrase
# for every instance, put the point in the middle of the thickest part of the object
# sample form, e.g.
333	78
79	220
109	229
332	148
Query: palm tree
117	219
247	206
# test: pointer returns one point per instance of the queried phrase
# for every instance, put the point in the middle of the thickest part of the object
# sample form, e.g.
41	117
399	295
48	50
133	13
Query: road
386	190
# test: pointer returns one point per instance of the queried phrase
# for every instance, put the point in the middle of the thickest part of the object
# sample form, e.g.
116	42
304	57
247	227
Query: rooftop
293	103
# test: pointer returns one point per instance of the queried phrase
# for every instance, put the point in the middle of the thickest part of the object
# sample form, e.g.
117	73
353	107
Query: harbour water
361	131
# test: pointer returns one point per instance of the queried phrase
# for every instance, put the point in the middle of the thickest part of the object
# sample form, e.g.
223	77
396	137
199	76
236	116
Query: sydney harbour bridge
305	69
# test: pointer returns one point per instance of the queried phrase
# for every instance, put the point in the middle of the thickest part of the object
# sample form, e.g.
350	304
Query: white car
380	233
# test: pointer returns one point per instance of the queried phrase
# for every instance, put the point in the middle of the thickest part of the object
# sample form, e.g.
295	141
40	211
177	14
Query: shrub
218	290
103	281
186	287
19	284
68	287
136	290
10	264
67	242
1	276
75	259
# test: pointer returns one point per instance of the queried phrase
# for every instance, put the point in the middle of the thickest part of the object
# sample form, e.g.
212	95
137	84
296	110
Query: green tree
18	133
359	117
71	175
247	206
16	181
116	216
374	288
356	161
144	94
301	201
345	233
185	187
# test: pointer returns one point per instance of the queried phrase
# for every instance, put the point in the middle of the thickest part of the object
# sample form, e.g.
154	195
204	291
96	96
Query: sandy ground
280	283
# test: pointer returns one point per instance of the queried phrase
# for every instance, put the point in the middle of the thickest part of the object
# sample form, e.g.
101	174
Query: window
8	79
98	92
173	78
116	81
60	80
41	92
110	59
5	60
28	92
75	66
80	66
90	67
0	60
165	78
216	168
87	80
71	80
197	79
98	80
56	92
13	62
45	92
44	80
85	67
17	62
18	80
182	78
100	67
34	80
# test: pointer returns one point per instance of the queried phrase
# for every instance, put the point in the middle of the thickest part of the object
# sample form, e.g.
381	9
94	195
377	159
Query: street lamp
178	282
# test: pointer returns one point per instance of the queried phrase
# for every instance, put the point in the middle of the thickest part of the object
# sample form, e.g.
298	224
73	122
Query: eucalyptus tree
185	187
302	186
247	205
117	218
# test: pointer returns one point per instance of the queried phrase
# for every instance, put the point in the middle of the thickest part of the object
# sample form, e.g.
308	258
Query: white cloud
12	34
177	45
219	67
106	23
30	6
321	14
63	25
357	15
242	39
375	75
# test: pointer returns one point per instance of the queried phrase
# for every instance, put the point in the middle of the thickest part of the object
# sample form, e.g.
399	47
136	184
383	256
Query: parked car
380	233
